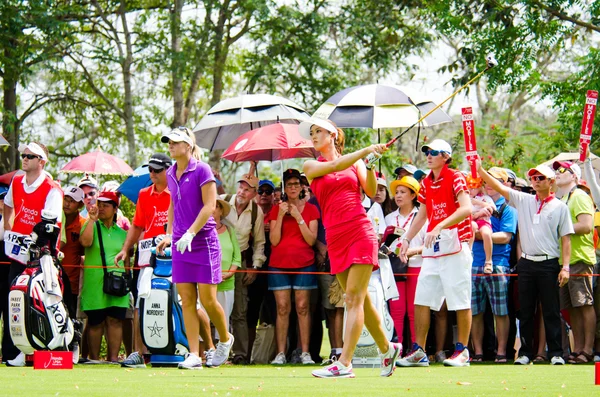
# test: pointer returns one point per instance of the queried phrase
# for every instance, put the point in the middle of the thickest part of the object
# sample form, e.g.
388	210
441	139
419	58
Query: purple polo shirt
187	196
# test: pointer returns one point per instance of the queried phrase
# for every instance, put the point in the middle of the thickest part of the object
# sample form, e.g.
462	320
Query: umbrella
3	141
379	106
230	118
99	163
6	179
273	142
566	156
136	182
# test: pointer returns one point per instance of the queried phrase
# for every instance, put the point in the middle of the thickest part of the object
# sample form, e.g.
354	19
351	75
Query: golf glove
185	242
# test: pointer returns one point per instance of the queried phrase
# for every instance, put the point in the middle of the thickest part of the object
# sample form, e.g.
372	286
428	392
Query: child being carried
482	220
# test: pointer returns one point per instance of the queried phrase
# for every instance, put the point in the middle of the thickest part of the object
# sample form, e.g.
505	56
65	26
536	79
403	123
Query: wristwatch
404	238
301	222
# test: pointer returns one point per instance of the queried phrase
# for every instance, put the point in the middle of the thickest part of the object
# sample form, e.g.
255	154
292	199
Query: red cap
109	196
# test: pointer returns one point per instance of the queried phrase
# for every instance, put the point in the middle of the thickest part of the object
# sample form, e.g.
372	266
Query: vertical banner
470	142
589	111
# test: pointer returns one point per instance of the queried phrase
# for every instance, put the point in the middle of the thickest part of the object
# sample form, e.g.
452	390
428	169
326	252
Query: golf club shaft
390	143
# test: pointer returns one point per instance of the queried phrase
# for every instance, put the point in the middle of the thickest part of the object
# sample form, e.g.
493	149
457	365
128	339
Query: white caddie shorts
446	277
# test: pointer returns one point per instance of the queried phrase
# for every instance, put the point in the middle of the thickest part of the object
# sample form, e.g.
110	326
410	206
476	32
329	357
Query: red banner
52	360
589	111
470	142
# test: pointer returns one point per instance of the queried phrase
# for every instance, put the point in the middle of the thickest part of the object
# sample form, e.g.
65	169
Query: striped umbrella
379	106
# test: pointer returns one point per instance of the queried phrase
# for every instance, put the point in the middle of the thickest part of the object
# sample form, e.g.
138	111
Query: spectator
382	197
374	210
4	285
483	207
405	192
277	195
504	228
306	187
90	190
544	233
113	186
28	195
103	310
577	295
445	271
293	233
248	219
409	170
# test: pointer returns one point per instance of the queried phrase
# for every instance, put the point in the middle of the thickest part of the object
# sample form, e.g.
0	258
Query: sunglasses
267	192
433	153
155	170
30	156
562	170
90	194
538	178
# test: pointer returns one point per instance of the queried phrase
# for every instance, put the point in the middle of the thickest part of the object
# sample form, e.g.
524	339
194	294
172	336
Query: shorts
96	317
325	281
494	287
446	277
578	291
278	281
483	222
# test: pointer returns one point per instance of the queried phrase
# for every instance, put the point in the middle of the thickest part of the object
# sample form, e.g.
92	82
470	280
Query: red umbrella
6	179
273	142
98	163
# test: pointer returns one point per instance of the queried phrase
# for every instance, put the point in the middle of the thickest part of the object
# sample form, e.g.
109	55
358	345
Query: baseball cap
34	148
250	180
511	174
109	196
88	181
110	186
499	173
266	182
406	181
419	174
226	207
292	173
177	135
568	165
438	144
411	169
160	161
542	169
74	192
520	182
381	179
305	126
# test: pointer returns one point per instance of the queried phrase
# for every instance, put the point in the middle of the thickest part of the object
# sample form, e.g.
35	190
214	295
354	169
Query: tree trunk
176	64
128	103
10	126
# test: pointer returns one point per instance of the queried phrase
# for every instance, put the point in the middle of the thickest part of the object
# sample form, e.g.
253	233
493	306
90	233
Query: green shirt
582	246
230	256
92	296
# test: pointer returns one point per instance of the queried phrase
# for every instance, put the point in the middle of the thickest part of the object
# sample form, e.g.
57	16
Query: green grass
477	380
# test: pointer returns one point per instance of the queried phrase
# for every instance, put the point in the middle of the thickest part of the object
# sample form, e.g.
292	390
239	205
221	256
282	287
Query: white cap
177	135
110	186
34	148
74	192
542	169
438	144
88	181
305	126
410	168
382	182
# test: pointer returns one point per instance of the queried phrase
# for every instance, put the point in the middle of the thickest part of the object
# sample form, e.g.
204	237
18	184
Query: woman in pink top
351	241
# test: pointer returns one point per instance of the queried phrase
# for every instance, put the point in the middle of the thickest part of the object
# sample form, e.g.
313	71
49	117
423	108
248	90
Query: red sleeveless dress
349	233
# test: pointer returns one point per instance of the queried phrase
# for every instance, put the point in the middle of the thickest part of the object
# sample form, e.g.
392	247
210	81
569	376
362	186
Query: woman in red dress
336	180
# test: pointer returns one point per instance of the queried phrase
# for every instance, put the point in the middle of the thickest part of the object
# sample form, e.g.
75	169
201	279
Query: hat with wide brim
226	207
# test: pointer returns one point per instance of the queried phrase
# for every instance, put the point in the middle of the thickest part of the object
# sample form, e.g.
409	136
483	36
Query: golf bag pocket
13	247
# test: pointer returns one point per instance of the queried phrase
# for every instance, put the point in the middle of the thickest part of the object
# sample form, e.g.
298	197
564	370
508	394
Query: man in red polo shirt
150	219
28	195
446	269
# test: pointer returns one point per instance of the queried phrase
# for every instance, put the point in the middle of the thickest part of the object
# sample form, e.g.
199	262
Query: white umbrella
566	156
232	117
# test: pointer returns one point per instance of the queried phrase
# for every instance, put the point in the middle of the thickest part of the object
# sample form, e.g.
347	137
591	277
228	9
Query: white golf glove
185	242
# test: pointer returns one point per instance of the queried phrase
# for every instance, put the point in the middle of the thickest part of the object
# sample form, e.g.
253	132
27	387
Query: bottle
371	159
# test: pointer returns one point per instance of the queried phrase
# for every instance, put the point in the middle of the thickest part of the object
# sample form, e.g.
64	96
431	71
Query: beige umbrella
565	156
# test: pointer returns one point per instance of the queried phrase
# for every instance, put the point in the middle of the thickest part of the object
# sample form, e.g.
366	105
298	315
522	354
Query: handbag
114	283
398	266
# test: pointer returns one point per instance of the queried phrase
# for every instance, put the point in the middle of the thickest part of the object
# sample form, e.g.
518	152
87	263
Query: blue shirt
500	252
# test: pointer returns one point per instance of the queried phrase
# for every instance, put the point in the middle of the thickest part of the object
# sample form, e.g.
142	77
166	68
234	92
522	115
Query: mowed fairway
477	380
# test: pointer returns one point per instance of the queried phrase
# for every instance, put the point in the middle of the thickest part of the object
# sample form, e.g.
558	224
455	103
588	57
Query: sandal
500	359
573	357
488	268
583	358
478	358
539	358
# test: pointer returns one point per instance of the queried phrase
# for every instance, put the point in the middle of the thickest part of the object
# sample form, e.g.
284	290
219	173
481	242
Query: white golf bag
39	319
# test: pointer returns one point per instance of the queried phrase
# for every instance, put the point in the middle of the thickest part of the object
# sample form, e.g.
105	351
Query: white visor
177	135
305	126
34	148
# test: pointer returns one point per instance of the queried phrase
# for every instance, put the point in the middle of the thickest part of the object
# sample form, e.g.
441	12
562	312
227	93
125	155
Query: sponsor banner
587	124
52	360
470	141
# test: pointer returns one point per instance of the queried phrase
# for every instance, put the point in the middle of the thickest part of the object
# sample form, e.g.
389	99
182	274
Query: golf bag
39	319
161	316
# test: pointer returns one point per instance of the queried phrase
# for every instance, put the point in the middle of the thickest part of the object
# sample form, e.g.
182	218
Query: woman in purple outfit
196	253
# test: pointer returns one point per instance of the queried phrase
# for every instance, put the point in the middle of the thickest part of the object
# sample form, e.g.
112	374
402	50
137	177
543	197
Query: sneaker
460	358
222	352
135	360
18	361
279	359
306	359
417	358
295	359
208	356
191	361
597	358
557	360
440	356
388	360
522	360
335	370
